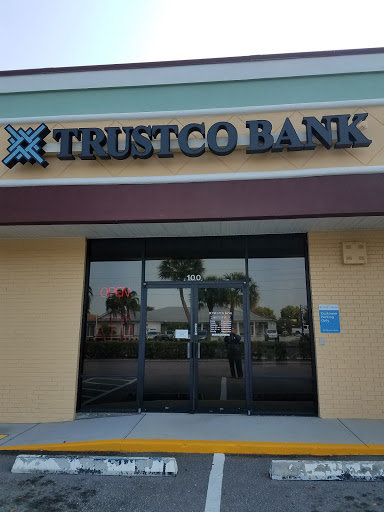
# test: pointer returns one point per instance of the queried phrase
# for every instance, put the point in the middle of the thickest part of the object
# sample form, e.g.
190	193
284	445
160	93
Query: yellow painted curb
193	446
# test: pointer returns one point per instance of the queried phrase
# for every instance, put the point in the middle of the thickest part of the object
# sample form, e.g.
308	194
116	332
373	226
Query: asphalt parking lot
245	487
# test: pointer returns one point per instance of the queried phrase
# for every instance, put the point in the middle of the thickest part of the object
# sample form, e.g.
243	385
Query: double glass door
196	344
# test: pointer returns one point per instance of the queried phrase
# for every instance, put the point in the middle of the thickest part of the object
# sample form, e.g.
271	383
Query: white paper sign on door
220	322
182	334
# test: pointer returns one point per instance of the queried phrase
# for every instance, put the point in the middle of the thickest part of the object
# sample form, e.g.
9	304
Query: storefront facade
177	201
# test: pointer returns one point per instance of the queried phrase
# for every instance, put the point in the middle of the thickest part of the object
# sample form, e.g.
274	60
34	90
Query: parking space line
102	395
101	384
213	501
100	380
223	389
2	436
92	389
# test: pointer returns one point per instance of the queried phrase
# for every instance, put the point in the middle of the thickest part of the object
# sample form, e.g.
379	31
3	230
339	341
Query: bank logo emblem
26	146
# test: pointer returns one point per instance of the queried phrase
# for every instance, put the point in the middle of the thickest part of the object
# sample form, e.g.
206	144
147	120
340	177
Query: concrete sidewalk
199	433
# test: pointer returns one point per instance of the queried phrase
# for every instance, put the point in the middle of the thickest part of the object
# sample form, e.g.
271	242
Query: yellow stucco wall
350	366
41	296
208	163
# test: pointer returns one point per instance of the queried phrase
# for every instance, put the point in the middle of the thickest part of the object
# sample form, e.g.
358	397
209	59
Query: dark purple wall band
326	196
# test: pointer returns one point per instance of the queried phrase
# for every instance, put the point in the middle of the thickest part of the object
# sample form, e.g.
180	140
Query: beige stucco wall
41	296
350	366
208	163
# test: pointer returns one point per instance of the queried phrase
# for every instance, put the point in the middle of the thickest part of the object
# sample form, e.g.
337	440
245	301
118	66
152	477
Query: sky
43	33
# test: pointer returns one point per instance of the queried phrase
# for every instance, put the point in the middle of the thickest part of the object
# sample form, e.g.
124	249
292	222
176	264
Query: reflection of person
234	353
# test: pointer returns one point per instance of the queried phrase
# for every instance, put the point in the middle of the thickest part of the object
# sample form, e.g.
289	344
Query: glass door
195	345
219	359
168	352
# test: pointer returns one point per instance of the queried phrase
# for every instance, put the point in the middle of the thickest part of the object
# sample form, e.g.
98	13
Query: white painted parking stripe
213	501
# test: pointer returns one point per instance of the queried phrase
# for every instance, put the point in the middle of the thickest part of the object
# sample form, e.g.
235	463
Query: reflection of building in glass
108	326
161	318
168	319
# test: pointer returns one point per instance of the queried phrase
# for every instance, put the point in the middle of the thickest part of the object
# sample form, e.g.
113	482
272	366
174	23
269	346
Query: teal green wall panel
194	96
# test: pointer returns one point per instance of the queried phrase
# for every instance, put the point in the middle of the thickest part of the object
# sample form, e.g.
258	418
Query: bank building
193	236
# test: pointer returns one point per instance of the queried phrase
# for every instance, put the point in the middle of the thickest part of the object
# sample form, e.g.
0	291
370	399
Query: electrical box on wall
354	253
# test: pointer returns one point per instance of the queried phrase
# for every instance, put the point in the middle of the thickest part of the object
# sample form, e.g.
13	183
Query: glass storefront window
185	365
282	374
109	373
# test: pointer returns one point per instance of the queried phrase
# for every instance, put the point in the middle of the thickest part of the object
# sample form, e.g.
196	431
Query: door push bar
189	349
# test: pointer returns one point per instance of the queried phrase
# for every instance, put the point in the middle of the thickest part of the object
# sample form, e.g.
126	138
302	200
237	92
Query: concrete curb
111	466
195	446
327	470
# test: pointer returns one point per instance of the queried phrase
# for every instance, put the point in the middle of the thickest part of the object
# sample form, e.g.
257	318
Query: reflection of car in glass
298	331
164	337
271	334
202	335
151	335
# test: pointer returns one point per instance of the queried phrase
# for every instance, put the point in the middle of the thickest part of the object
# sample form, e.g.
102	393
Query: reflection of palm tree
212	297
178	270
127	302
235	295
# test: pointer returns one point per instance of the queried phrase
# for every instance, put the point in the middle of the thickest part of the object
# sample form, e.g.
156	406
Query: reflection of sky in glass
164	298
281	281
213	267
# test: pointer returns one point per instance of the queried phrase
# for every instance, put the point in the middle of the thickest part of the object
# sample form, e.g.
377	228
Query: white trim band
256	109
240	176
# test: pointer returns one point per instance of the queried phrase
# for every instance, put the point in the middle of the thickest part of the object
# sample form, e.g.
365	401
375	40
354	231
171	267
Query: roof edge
194	62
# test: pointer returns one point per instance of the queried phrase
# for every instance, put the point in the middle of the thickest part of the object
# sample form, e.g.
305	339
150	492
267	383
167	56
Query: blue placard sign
329	318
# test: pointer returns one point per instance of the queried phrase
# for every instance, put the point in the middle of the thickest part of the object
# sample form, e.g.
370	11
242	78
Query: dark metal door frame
194	286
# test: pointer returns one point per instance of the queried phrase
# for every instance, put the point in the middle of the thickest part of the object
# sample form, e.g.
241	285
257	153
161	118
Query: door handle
198	350
189	350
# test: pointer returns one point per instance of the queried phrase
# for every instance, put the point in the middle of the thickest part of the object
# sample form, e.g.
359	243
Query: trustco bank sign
338	131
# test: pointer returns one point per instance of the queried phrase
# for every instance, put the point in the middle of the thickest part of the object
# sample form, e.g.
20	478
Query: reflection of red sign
118	291
125	333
